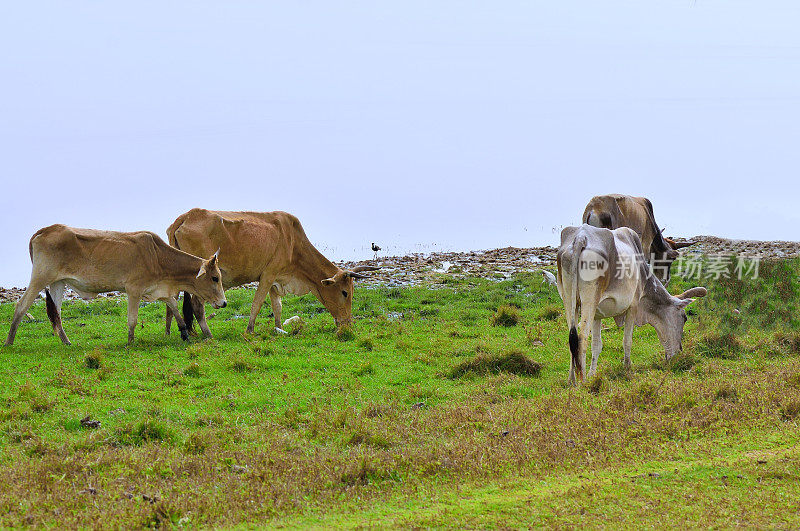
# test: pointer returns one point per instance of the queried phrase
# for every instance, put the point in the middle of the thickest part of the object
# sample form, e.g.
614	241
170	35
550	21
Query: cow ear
683	303
213	259
327	281
202	270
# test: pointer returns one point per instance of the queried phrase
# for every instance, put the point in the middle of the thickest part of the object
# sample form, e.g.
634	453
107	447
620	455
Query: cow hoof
184	334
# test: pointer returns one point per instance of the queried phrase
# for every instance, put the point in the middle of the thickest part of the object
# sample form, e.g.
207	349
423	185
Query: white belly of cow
291	286
612	305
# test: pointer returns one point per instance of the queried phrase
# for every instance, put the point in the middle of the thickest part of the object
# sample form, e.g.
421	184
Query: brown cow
92	262
270	248
615	210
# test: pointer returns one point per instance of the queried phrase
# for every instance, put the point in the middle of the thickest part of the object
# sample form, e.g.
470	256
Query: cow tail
572	311
188	311
52	311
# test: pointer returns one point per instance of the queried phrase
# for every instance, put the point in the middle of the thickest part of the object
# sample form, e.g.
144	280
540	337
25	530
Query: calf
602	273
92	262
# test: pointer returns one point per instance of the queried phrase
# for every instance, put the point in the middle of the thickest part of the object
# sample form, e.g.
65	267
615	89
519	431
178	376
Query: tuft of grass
193	370
790	410
680	362
240	364
514	362
507	316
364	369
597	384
345	333
726	392
724	345
149	430
94	359
363	437
366	344
550	312
198	442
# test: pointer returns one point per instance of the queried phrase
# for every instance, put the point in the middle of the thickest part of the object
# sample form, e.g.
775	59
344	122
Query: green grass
423	414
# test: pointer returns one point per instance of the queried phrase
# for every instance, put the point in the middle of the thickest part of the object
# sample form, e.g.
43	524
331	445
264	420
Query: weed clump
366	344
364	370
240	364
345	333
549	313
193	370
38	400
514	362
791	410
596	384
94	360
680	362
365	438
787	342
145	431
506	316
197	442
726	392
724	345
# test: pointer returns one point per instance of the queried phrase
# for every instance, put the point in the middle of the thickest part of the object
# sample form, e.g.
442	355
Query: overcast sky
419	125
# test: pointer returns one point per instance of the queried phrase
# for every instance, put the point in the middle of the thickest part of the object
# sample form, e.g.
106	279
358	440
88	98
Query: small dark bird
375	248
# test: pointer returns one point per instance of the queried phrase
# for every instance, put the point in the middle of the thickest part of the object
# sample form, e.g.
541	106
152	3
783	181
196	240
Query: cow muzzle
218	305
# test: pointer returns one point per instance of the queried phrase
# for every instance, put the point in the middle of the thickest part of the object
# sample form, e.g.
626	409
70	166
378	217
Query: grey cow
603	273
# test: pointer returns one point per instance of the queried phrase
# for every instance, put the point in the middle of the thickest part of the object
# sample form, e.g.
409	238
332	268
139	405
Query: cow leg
133	314
277	305
597	345
169	319
588	307
57	296
258	301
172	305
23	304
199	310
627	339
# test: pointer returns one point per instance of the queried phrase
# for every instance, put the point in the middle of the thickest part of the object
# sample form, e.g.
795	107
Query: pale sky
419	125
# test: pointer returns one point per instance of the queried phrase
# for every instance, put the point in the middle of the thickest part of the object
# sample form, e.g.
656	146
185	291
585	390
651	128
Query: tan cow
270	248
615	210
93	261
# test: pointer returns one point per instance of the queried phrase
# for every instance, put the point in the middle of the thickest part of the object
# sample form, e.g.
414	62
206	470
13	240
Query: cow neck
183	266
314	267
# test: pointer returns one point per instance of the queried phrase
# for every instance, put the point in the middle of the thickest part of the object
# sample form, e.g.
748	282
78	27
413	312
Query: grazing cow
270	248
93	261
602	273
614	211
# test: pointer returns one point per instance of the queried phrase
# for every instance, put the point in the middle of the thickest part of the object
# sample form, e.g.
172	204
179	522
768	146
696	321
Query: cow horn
691	293
681	245
355	275
360	268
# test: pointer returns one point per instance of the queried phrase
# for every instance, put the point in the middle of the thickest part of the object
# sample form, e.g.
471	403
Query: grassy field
447	406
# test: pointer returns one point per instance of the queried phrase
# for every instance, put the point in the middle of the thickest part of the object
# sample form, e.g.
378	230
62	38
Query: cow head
661	262
668	316
208	283
336	293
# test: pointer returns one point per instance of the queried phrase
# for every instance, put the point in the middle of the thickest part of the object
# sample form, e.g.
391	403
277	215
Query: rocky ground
502	263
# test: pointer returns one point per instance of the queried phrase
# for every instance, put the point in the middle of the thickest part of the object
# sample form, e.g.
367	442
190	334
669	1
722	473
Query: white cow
603	273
